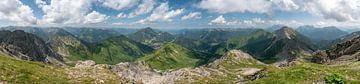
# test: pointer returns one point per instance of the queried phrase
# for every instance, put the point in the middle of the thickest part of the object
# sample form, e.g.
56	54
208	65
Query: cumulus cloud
95	17
218	21
253	22
70	12
40	3
15	10
226	6
162	14
146	6
192	15
286	5
339	10
119	4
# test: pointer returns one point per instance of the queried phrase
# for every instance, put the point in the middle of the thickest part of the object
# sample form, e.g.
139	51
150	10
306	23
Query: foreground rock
89	72
234	67
348	51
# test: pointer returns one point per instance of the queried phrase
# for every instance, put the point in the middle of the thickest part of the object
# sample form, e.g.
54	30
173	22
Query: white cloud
119	4
15	10
192	15
286	5
253	22
218	21
145	7
40	3
226	6
70	12
162	14
339	10
121	15
95	17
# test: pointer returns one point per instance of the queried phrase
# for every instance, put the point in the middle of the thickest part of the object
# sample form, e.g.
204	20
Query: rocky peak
285	33
147	30
27	46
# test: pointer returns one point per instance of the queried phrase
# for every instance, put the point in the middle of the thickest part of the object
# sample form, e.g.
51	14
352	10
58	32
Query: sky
180	13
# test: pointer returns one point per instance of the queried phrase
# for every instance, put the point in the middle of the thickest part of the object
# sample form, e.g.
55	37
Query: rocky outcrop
232	67
342	52
27	46
138	72
93	73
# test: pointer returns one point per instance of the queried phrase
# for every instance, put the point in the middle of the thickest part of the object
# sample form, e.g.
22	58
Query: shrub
335	79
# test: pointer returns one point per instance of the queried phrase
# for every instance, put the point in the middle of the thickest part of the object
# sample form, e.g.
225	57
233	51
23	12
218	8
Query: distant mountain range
151	37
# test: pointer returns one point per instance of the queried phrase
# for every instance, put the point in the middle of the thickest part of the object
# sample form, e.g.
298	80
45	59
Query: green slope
151	37
307	73
109	51
171	56
22	72
119	49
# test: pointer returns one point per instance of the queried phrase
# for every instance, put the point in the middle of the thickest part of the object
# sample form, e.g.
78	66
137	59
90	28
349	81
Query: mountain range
216	55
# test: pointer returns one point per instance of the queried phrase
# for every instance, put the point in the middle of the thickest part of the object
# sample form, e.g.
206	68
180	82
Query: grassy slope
110	51
20	72
15	71
252	43
307	73
231	63
171	56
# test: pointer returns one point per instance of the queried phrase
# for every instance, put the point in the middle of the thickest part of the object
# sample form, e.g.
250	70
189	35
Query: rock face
27	47
342	52
60	40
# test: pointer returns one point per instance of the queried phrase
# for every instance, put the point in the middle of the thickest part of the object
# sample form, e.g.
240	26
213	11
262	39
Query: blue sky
179	13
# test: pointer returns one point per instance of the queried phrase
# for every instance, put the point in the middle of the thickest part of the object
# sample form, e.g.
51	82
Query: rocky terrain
22	45
347	51
247	69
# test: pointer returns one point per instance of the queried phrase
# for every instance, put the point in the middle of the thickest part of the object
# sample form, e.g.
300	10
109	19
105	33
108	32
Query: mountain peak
147	29
285	32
